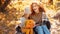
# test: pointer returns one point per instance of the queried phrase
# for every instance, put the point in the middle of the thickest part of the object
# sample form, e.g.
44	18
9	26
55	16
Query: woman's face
35	8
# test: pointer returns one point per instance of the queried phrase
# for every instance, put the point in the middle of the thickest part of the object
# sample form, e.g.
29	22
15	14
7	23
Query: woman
36	15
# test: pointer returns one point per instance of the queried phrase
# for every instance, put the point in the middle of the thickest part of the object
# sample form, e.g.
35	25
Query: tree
4	5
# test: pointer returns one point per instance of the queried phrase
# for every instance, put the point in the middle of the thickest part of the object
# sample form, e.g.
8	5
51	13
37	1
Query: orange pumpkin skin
29	24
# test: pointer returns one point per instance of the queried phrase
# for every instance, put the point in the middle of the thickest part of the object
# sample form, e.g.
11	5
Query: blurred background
12	10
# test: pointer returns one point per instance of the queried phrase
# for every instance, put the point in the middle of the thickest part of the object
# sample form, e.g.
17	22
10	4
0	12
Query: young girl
23	19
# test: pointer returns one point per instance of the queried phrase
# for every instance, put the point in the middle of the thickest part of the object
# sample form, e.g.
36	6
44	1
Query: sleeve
22	19
44	17
46	21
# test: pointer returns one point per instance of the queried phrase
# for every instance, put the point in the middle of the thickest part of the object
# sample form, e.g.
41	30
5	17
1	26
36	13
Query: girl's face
35	8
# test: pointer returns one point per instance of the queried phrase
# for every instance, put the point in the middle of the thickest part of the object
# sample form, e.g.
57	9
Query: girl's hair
40	8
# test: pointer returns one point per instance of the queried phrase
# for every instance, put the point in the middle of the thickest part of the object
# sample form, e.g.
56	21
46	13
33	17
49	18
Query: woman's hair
40	8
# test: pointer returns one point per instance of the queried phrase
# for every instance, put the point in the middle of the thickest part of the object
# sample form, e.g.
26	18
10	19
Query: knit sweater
39	18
